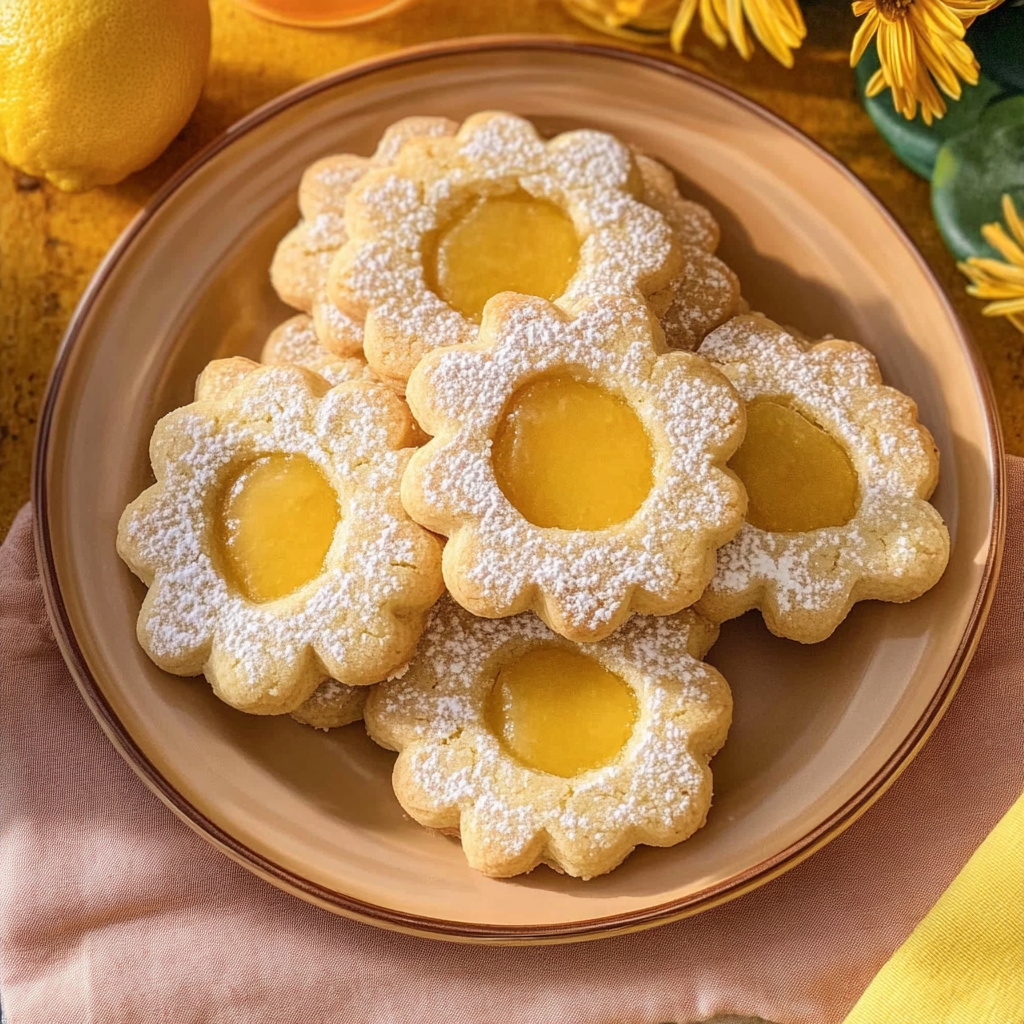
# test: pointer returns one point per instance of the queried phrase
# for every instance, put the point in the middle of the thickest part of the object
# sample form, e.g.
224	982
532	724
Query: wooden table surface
51	243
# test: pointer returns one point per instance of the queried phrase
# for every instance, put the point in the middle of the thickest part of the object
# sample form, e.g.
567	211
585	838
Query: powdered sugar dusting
453	772
694	225
705	292
895	547
296	343
379	567
660	559
626	247
702	295
300	265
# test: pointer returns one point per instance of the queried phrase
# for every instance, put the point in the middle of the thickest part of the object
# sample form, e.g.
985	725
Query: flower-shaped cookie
299	269
582	582
455	774
296	343
393	214
358	616
332	705
221	376
893	547
705	292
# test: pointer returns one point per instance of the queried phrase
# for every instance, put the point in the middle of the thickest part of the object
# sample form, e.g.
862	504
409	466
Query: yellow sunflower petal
681	24
898	57
711	18
1005	307
921	49
994	290
996	271
1000	282
773	25
939	67
876	83
1005	245
938	14
738	29
1012	218
865	33
794	18
946	56
968	10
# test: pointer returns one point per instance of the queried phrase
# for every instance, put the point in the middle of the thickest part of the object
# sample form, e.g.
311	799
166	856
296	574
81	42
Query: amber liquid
322	13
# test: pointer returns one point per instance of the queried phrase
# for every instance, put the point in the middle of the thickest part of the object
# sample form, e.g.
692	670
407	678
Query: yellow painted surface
51	243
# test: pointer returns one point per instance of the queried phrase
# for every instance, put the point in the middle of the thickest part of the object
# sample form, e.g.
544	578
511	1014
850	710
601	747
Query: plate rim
440	928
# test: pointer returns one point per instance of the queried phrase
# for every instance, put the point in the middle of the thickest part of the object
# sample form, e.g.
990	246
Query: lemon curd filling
275	523
569	454
797	476
560	711
512	243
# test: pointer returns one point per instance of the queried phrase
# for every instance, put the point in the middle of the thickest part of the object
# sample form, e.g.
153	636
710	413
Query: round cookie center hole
569	454
275	523
560	711
797	476
512	243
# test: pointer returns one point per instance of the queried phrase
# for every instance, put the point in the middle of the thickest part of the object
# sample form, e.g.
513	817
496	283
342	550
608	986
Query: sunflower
778	24
921	46
993	279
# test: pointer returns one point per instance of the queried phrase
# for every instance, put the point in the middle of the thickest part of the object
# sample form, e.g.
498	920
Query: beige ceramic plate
819	731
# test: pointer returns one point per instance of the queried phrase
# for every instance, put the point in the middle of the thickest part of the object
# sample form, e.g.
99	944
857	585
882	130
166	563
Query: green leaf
914	142
997	39
973	171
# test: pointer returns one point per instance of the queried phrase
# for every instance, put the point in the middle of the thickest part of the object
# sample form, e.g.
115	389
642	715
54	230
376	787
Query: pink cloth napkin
114	912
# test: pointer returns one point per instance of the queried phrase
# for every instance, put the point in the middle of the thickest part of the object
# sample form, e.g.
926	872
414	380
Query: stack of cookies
495	486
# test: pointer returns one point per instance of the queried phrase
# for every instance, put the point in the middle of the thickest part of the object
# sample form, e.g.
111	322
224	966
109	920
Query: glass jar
640	21
322	13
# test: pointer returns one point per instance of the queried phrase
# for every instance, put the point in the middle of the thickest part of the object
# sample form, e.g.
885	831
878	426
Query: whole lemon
91	90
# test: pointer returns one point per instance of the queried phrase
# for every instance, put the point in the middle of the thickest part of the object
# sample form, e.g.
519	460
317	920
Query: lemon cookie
495	208
274	544
705	292
575	469
332	705
837	469
299	268
221	376
536	750
296	343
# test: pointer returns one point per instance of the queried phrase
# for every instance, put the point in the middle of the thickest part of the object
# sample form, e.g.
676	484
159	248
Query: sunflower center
512	243
571	455
797	476
276	521
893	10
560	711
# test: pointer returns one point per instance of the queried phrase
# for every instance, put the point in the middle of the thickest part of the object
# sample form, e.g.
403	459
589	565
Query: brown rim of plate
436	927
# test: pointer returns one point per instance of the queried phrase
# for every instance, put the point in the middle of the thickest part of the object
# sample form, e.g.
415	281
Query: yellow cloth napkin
964	963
